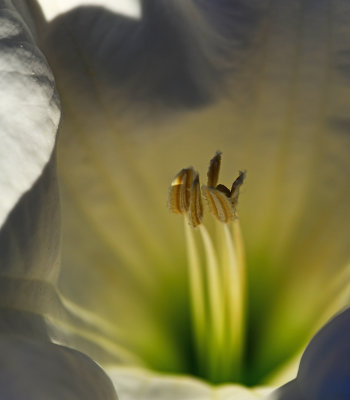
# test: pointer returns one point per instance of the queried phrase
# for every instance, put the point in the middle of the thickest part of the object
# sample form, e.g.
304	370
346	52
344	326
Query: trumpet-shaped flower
224	302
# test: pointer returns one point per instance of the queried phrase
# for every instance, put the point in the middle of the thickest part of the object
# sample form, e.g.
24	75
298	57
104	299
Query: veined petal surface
32	311
29	111
31	367
30	237
29	205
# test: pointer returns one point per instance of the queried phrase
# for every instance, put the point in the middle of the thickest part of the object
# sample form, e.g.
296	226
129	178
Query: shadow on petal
178	56
290	391
30	237
34	371
324	371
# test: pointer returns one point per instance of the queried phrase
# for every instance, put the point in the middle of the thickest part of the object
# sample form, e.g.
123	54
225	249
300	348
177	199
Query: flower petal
30	237
132	384
29	234
30	303
324	371
29	259
51	9
30	370
29	111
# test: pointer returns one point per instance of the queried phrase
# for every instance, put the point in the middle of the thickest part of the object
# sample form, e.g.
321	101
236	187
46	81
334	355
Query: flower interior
203	304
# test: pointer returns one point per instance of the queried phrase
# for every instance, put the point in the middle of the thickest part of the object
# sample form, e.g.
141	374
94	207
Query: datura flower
234	115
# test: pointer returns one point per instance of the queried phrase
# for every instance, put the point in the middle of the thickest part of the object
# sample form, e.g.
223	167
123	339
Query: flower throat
216	271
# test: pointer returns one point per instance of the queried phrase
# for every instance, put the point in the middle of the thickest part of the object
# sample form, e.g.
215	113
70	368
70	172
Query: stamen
195	214
197	295
216	306
179	192
224	189
234	272
217	287
214	169
235	188
219	204
222	202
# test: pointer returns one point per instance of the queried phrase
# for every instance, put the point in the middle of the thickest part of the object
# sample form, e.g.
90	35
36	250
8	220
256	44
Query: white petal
30	237
53	8
31	370
132	384
29	111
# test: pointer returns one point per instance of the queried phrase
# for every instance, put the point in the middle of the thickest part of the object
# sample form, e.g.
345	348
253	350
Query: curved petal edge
31	370
29	109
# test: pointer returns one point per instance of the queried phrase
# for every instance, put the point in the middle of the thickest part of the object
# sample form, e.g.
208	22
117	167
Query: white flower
142	98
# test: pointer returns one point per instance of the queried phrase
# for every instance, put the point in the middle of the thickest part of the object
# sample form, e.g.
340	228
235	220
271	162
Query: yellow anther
219	204
185	194
195	214
222	201
180	191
